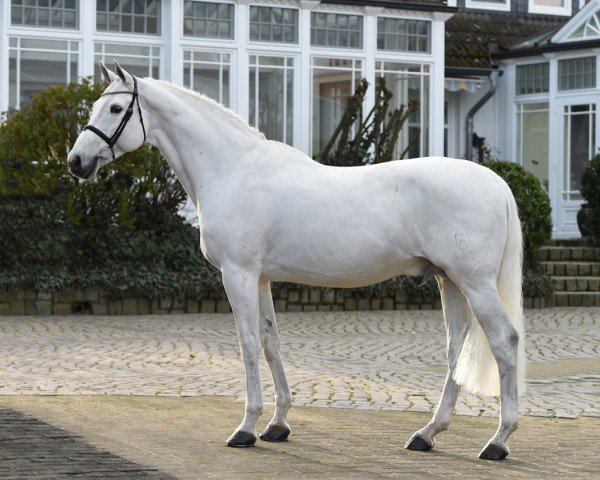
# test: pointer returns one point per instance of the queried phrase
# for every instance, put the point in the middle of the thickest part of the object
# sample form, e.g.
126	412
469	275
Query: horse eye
116	109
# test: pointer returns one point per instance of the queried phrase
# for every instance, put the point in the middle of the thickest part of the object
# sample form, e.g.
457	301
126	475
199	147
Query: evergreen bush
533	203
590	190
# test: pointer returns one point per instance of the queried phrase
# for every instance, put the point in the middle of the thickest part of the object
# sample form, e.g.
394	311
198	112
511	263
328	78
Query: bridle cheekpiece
112	140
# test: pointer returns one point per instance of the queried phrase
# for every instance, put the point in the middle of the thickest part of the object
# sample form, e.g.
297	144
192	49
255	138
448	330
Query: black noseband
110	141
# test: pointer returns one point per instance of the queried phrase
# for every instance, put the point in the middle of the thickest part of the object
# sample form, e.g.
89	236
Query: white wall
485	120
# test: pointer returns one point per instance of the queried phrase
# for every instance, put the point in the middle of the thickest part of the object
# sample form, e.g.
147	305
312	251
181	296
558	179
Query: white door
576	142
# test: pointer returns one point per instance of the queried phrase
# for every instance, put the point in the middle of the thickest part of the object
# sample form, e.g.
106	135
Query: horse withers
269	213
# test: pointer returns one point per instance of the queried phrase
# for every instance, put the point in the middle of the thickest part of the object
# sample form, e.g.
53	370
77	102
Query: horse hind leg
503	340
457	316
278	429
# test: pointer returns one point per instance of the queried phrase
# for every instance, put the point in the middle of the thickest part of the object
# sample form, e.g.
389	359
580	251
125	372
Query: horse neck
201	143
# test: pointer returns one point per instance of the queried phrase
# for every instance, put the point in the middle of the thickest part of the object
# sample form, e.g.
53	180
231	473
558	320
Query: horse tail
476	367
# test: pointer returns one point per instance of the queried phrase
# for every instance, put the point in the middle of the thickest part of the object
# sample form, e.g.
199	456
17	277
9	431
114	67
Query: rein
112	140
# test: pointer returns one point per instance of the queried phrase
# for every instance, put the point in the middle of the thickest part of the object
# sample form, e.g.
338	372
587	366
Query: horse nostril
77	162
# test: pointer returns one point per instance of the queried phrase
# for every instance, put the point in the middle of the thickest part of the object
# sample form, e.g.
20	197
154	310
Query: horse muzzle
80	168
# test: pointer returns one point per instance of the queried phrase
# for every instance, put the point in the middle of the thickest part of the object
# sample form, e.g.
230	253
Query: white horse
268	213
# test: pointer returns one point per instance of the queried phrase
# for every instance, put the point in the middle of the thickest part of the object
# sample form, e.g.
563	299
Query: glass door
578	144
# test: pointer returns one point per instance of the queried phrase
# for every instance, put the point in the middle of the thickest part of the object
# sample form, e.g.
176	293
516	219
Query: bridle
110	141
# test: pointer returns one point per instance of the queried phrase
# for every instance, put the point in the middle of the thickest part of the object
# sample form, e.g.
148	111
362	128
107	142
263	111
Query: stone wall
72	301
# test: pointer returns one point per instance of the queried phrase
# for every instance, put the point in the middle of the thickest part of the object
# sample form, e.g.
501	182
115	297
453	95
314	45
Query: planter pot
583	216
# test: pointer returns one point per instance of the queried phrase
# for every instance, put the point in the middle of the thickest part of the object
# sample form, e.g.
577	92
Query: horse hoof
493	451
418	443
241	439
275	433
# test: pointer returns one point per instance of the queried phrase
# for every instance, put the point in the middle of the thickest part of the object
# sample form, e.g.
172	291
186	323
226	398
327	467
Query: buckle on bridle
112	140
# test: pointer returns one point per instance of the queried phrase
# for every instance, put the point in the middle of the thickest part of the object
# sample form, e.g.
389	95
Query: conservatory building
552	98
285	65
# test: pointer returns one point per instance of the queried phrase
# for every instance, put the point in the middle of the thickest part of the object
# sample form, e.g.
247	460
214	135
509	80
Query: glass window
409	83
549	3
589	29
533	78
139	60
208	73
402	35
336	30
333	81
533	139
36	64
208	19
128	16
577	73
273	24
271	96
45	13
579	145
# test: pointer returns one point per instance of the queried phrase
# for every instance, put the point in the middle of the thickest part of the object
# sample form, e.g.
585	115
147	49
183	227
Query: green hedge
121	232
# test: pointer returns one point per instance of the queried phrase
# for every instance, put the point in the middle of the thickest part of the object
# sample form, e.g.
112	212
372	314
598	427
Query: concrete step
572	269
560	253
571	242
576	284
576	299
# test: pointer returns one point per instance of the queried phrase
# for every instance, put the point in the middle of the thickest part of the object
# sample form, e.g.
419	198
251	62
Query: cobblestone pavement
371	360
33	449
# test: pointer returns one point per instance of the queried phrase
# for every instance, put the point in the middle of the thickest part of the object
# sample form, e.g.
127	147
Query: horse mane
212	104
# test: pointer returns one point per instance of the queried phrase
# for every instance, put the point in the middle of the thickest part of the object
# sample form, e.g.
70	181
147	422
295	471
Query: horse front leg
278	430
241	287
457	317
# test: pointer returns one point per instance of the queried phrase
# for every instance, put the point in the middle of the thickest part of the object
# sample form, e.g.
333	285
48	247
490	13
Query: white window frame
147	36
183	37
538	94
499	7
519	111
106	57
77	28
404	52
287	70
422	75
20	49
546	10
357	72
231	66
352	52
273	45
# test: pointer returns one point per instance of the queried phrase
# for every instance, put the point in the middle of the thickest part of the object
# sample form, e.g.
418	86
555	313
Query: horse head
113	129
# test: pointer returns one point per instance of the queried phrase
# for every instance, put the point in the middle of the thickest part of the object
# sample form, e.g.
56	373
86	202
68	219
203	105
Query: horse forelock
207	101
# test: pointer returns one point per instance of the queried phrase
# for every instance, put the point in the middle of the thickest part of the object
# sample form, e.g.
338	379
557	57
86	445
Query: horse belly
341	264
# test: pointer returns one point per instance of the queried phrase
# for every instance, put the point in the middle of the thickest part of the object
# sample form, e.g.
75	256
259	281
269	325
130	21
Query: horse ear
106	73
122	74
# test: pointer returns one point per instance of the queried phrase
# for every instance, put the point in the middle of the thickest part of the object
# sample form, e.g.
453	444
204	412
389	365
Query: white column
172	56
370	46
304	106
240	103
87	24
555	160
4	18
436	86
507	140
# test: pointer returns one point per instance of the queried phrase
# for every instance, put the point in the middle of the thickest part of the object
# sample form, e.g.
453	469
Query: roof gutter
493	78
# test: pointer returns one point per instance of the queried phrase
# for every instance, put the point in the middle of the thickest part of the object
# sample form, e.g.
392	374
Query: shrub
120	232
533	203
590	190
